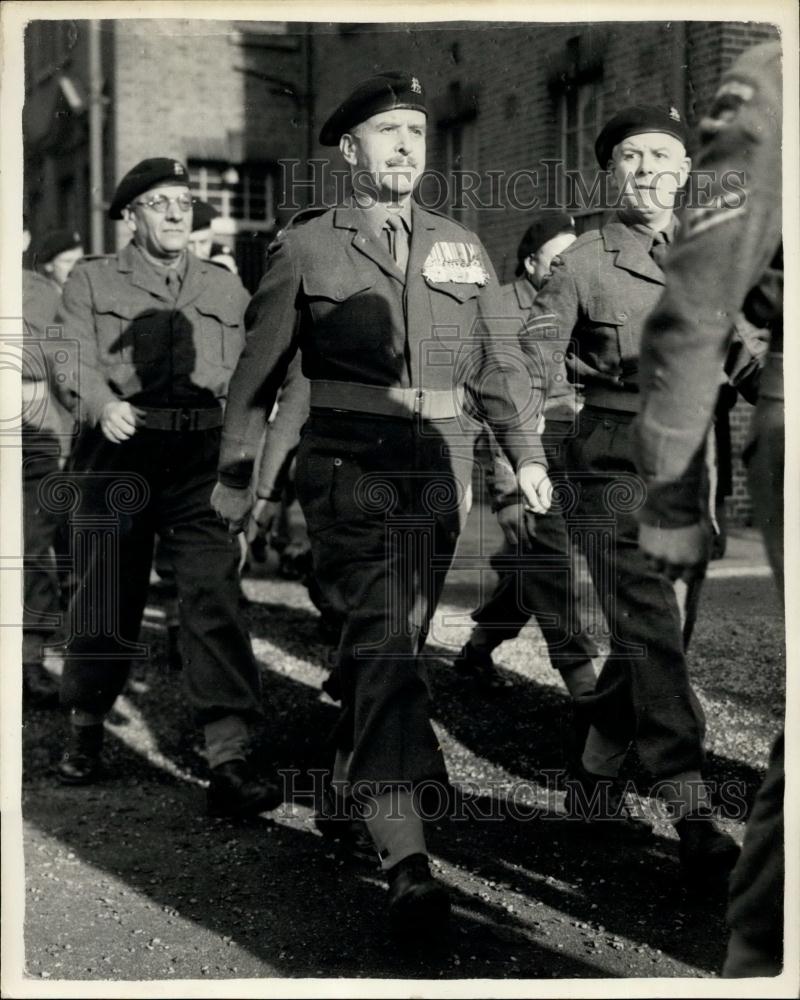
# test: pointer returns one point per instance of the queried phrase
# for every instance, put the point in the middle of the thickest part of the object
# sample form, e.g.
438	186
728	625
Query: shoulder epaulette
443	215
301	217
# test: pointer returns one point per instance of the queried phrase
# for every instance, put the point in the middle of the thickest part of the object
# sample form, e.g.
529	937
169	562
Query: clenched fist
232	506
119	420
536	487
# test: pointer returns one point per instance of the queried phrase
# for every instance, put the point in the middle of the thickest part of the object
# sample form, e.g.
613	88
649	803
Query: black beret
203	215
547	223
386	92
633	121
148	173
56	242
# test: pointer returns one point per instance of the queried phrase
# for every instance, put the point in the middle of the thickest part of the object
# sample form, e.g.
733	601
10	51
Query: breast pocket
610	338
461	291
219	337
129	336
327	292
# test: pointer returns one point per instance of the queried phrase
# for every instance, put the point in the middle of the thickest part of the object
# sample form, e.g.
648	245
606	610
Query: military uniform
730	260
167	342
521	593
46	436
383	492
592	311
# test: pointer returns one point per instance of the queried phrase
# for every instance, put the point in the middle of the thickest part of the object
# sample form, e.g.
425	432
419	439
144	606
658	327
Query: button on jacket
140	343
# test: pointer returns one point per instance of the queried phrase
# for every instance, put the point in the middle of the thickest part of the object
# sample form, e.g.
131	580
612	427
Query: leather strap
387	401
612	399
183	419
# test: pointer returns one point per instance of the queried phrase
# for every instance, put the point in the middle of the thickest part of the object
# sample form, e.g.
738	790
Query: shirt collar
376	213
645	234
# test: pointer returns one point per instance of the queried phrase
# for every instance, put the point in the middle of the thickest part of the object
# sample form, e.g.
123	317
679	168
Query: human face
200	243
162	236
537	265
386	153
649	170
60	266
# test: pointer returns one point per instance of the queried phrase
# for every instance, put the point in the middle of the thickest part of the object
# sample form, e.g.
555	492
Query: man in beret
47	433
523	590
201	237
593	308
390	306
57	253
160	332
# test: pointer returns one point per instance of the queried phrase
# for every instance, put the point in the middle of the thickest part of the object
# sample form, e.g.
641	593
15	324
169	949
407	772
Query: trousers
755	910
384	502
543	587
643	690
156	482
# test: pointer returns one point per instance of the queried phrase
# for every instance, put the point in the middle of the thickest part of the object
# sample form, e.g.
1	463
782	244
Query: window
242	192
581	107
580	118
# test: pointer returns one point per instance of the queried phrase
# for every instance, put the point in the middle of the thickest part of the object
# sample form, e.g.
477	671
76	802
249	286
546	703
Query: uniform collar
525	293
631	248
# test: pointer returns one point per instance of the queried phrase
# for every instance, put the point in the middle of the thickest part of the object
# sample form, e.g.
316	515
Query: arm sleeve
283	434
725	248
272	324
506	385
551	323
84	380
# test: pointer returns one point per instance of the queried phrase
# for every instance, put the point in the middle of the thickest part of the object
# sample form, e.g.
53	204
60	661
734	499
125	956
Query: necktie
398	241
659	248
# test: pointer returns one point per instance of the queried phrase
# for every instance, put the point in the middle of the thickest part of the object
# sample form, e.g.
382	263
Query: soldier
201	238
597	297
729	259
522	592
46	436
389	305
159	333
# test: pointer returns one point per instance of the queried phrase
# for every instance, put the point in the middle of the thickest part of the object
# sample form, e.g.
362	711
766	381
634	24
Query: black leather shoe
418	904
39	687
707	854
339	820
593	798
81	763
477	666
235	791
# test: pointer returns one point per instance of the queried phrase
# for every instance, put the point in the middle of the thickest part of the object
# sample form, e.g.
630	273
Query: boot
81	763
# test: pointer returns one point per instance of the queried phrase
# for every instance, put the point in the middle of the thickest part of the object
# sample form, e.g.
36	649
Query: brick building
241	102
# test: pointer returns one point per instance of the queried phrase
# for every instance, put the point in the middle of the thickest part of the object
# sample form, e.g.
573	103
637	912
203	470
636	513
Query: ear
130	219
348	148
529	264
684	170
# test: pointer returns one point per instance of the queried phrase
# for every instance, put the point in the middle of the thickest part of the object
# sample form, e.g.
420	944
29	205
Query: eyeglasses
160	203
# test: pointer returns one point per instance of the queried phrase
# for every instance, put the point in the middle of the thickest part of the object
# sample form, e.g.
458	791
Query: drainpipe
97	214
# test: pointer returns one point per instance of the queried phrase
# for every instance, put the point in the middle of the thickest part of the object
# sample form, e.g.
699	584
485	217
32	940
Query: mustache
404	162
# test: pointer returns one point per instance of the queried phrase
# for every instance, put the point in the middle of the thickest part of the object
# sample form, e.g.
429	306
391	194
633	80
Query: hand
119	420
232	505
536	487
261	518
677	553
511	520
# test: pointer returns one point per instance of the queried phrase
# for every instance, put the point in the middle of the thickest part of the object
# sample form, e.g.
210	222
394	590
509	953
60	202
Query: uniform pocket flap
459	290
336	287
227	313
606	313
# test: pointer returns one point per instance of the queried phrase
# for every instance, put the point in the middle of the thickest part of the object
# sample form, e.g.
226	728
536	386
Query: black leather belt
387	401
183	419
612	399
